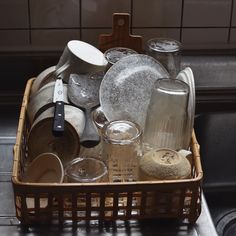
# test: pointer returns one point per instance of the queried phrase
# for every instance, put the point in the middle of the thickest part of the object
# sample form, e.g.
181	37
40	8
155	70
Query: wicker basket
179	199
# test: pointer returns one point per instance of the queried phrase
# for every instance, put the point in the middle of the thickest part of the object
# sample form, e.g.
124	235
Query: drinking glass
113	55
99	119
122	143
165	125
167	51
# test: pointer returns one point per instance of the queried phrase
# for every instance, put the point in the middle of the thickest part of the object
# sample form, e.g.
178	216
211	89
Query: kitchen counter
9	225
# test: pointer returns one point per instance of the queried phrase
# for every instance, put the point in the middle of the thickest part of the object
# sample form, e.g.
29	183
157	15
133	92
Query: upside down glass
167	51
166	120
113	55
122	144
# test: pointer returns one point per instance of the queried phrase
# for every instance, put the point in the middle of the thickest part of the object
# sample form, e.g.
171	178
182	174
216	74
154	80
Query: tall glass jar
122	147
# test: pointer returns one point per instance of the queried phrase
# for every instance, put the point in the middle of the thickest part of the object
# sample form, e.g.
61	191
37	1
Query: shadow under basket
39	203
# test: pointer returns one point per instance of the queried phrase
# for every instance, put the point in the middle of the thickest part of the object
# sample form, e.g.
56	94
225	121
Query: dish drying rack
52	202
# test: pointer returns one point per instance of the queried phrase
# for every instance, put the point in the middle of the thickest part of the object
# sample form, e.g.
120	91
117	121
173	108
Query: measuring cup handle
90	137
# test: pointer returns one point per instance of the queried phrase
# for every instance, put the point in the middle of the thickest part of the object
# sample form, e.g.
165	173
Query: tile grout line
230	22
134	27
181	22
80	19
29	15
131	15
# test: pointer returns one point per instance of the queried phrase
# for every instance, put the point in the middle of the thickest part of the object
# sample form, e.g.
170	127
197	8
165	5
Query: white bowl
45	168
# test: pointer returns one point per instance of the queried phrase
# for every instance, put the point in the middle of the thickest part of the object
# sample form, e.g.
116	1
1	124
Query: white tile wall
207	13
233	36
157	13
54	13
98	13
91	35
51	23
14	14
11	38
234	13
54	38
204	37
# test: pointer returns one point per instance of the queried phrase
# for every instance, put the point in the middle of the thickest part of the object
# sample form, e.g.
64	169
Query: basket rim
16	181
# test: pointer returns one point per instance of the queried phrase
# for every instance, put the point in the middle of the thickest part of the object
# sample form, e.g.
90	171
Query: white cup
82	58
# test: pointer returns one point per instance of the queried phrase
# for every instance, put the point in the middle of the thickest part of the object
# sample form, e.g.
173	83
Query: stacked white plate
186	75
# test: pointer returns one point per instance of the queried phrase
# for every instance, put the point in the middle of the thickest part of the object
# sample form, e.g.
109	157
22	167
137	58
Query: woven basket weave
179	199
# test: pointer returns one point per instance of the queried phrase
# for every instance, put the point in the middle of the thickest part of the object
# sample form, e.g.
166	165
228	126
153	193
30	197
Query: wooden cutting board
120	36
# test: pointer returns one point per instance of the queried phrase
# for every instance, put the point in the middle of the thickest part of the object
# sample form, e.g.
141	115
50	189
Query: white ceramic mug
82	58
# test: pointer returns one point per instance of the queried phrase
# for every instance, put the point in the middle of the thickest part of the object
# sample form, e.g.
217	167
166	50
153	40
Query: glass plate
126	88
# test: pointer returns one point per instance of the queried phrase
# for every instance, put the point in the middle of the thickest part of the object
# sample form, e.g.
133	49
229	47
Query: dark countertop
9	225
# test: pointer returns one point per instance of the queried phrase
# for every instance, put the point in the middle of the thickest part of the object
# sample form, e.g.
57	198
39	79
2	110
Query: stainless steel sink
216	134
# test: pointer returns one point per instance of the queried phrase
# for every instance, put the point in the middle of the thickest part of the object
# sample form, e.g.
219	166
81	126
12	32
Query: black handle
59	119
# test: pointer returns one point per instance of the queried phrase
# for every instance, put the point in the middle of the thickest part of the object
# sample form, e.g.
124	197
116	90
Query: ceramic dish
186	75
42	100
43	78
67	146
126	88
45	168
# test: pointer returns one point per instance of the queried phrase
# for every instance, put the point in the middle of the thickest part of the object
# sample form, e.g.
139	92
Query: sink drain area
222	206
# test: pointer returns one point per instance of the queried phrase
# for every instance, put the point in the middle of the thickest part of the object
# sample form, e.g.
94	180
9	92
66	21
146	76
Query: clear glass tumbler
122	147
166	120
99	119
113	55
167	51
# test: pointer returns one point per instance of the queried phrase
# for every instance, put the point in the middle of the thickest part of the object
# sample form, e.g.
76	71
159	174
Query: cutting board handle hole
121	22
